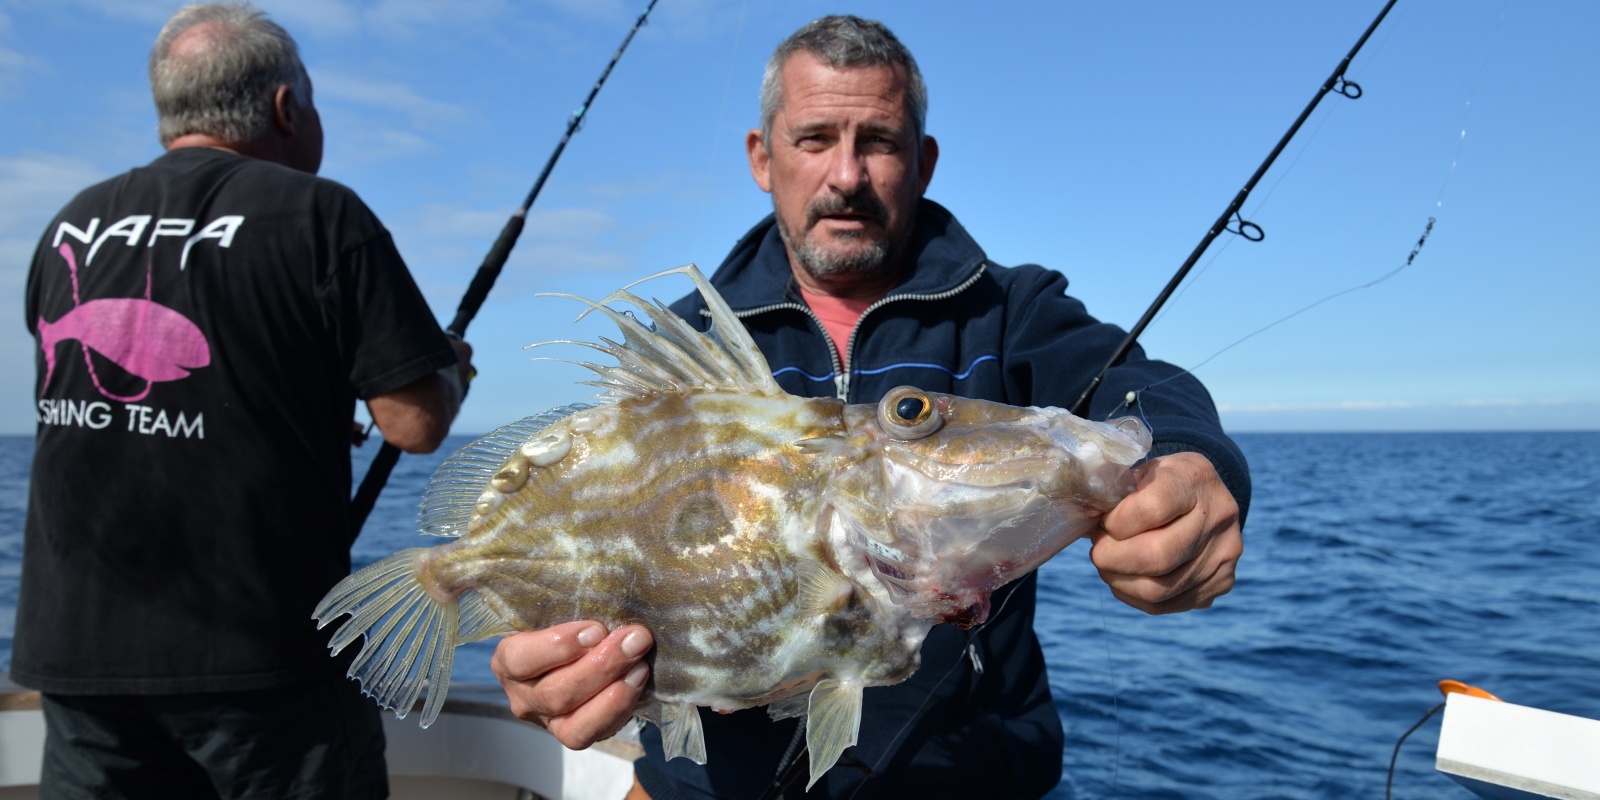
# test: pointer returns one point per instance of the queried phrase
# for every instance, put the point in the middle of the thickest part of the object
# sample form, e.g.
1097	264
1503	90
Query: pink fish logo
141	336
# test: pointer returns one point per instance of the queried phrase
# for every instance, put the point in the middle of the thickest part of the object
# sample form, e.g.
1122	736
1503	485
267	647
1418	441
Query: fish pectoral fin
681	734
822	591
833	723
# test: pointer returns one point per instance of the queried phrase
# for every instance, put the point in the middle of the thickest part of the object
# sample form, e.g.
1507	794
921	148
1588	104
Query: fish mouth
944	553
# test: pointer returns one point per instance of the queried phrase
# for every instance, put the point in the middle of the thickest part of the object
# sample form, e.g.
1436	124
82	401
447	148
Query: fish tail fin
411	635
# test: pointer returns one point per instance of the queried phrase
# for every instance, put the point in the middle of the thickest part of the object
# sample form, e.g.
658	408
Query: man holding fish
857	284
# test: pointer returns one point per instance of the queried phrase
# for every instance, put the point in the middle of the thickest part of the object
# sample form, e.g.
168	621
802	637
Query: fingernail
635	677
634	644
591	636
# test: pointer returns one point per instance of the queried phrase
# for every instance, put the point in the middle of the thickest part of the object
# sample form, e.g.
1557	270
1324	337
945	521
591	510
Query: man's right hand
573	679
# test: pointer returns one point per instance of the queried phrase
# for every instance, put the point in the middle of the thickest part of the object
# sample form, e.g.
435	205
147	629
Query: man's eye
879	144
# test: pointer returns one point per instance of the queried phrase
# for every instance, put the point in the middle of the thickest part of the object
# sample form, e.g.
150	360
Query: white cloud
151	11
14	64
1397	405
596	9
322	18
361	142
34	186
425	112
562	224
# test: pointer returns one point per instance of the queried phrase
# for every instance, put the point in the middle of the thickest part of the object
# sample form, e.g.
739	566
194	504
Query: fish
785	552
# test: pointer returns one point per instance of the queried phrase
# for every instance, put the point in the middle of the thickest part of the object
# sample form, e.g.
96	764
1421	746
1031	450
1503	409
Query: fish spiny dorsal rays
671	356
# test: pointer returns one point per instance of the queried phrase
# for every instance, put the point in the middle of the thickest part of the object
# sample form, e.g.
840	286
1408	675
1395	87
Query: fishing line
1335	82
1116	710
1134	398
1261	204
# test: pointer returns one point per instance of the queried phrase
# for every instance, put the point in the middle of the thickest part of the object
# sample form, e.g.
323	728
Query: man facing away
205	325
860	280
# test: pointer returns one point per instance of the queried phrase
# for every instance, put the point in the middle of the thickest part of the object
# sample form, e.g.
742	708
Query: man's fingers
1152	553
525	656
1168	487
1195	583
1194	597
574	679
604	714
562	690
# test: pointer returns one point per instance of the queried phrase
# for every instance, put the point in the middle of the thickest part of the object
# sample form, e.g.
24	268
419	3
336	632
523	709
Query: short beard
818	262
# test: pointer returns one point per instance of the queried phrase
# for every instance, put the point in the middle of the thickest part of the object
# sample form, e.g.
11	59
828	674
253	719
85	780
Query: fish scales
706	548
784	551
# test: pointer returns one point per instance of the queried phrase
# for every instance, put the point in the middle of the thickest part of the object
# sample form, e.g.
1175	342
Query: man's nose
848	172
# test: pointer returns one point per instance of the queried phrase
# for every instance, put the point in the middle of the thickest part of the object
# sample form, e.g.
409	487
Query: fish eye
908	413
912	410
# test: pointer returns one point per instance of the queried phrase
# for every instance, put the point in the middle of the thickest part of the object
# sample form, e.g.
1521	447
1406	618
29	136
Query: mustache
861	203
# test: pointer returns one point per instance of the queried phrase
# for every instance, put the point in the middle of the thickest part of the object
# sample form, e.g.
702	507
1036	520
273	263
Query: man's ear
760	160
926	160
285	110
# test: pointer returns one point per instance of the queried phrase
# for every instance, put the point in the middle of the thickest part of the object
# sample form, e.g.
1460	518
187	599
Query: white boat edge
1504	751
476	750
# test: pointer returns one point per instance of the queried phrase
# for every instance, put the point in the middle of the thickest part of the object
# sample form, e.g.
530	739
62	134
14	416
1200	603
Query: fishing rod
1249	230
478	291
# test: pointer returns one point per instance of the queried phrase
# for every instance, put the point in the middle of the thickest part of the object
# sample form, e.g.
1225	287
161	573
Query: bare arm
416	417
1173	544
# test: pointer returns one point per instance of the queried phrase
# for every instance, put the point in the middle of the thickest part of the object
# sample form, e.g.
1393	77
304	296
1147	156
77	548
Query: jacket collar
756	273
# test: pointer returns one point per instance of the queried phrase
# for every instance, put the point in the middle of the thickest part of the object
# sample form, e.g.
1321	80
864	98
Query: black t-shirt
205	326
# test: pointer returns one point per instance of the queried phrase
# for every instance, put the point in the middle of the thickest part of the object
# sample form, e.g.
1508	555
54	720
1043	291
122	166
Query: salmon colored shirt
839	317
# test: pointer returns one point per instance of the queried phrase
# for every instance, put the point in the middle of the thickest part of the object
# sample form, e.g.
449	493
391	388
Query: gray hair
224	85
842	41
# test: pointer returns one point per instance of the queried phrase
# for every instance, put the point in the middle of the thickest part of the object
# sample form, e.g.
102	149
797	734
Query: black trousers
307	741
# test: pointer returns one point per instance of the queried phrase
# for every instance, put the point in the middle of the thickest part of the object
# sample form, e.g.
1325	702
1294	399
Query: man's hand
573	679
1173	544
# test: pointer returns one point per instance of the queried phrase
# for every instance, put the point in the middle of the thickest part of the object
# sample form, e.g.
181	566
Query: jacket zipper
841	376
850	344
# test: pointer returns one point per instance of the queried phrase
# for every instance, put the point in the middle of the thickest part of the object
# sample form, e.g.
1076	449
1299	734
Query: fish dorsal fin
455	486
669	356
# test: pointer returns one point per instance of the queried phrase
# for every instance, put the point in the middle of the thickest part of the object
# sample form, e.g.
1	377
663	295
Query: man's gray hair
842	41
223	85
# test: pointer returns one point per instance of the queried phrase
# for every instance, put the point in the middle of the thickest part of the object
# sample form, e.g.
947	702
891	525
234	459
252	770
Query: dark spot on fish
701	521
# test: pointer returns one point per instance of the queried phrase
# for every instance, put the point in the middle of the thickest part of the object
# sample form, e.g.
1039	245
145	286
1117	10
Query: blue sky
1099	139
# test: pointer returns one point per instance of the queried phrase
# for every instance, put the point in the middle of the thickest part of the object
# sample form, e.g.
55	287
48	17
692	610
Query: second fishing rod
1245	228
482	282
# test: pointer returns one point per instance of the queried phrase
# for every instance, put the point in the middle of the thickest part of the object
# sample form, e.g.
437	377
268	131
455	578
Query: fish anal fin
832	724
794	706
681	734
822	591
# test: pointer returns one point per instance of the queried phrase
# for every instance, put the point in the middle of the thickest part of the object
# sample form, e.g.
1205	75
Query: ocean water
1375	565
